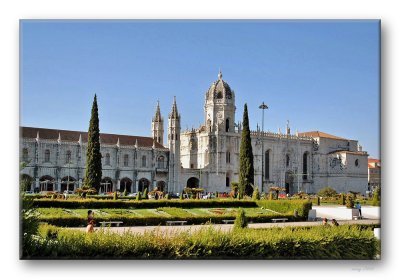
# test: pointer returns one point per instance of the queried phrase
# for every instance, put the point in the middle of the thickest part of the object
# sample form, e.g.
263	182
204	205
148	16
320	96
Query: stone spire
174	113
136	144
118	143
37	136
154	144
59	138
80	139
157	116
219	74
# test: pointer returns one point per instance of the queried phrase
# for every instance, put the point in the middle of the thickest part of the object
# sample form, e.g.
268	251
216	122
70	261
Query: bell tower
219	107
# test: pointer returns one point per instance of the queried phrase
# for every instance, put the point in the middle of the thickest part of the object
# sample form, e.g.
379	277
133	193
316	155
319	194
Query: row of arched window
160	161
287	161
107	158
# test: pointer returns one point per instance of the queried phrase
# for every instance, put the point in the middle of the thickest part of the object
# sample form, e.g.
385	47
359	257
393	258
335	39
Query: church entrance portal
192	182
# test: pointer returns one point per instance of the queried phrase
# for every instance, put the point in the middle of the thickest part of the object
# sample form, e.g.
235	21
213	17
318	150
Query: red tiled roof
52	134
372	160
318	134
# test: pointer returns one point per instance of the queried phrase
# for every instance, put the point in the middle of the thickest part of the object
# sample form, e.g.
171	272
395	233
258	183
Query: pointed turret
174	131
157	125
136	144
37	136
80	139
59	138
287	128
117	143
174	112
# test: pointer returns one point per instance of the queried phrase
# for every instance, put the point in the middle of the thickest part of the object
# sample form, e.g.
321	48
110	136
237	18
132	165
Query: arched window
47	155
107	161
228	157
68	157
126	160
305	166
25	154
287	160
219	95
160	162
227	125
267	168
144	161
356	162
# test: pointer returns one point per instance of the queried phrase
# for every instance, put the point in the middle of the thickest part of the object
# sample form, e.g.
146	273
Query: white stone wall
57	168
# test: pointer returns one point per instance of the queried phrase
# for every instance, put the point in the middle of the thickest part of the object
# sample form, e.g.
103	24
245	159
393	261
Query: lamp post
262	107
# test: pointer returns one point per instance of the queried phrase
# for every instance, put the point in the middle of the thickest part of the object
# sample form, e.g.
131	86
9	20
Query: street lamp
262	107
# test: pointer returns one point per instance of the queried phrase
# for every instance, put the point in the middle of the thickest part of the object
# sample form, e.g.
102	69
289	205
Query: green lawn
163	211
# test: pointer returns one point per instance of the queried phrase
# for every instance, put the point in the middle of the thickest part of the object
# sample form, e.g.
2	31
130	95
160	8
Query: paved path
172	229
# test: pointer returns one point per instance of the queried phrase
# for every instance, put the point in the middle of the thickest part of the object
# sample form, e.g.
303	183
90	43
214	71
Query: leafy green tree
240	221
93	172
327	192
246	164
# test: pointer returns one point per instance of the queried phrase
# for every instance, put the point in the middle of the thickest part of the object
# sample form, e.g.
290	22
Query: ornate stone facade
206	157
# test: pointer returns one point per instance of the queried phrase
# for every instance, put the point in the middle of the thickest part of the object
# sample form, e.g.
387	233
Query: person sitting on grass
324	221
335	223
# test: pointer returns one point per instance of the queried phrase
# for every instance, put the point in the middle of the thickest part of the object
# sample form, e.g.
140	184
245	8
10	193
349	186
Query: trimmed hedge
97	204
343	242
75	221
287	206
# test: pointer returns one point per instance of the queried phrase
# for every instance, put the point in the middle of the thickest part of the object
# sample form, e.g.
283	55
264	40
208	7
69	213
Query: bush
376	201
145	197
115	196
343	242
240	221
327	192
125	192
256	194
342	199
349	201
139	196
181	196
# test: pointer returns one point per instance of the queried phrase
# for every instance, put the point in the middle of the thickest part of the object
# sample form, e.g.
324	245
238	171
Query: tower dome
220	89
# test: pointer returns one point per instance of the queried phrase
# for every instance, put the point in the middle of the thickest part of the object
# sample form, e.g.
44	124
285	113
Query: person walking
358	206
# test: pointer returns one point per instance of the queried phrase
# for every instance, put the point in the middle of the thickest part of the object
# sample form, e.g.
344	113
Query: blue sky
319	75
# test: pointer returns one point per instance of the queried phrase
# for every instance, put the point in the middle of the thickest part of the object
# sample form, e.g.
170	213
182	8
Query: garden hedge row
75	221
343	242
97	204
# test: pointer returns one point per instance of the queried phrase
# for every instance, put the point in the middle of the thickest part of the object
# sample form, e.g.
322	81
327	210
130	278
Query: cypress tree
93	156
246	166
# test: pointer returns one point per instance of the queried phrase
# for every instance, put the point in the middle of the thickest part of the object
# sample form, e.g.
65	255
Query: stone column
58	187
137	185
37	184
80	183
119	185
